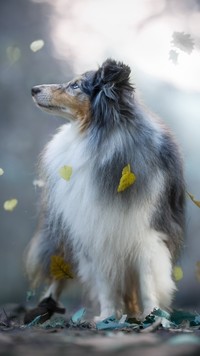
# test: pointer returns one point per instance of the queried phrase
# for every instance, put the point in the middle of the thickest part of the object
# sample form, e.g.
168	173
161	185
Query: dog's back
122	244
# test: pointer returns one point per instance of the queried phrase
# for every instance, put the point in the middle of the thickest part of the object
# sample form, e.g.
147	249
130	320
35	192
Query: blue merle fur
115	114
118	120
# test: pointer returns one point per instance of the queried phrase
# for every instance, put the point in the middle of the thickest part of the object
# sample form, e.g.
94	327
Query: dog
121	244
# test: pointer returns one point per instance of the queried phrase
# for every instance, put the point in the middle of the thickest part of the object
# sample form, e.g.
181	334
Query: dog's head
96	97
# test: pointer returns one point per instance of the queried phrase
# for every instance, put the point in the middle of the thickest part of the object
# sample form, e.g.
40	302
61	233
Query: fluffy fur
121	245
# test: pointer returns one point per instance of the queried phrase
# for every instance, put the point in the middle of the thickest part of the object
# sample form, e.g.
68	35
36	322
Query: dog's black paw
45	309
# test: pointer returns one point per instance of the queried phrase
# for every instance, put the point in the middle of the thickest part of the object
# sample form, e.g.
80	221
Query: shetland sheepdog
121	244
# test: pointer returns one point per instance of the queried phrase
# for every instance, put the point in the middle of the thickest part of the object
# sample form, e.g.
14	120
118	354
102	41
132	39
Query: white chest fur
109	241
95	227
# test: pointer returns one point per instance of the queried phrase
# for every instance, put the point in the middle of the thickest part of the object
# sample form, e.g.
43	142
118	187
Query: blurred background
50	41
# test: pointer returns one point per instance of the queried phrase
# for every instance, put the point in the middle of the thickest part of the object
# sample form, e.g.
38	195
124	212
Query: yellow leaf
10	205
38	183
36	45
1	171
177	273
196	202
60	269
65	172
198	271
13	54
127	179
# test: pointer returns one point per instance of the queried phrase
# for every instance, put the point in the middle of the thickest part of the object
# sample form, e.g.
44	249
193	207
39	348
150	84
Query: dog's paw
117	314
45	309
142	316
103	316
97	319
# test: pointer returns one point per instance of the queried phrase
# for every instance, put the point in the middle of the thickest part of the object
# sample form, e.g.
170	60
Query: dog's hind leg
38	267
45	244
54	290
48	304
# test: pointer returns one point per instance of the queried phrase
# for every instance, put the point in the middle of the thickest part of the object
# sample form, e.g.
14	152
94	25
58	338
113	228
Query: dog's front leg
148	295
110	305
155	276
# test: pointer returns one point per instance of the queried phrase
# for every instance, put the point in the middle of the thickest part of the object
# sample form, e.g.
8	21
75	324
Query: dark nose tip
35	90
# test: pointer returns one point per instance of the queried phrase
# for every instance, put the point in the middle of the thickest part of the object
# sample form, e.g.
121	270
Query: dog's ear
112	76
111	79
114	72
110	82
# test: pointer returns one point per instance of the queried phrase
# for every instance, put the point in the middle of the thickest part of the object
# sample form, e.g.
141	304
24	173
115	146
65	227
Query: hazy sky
138	32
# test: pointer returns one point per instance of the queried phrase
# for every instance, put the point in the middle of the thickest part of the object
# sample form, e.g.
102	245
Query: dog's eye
74	85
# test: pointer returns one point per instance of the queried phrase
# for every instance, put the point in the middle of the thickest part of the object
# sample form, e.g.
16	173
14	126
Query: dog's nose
35	90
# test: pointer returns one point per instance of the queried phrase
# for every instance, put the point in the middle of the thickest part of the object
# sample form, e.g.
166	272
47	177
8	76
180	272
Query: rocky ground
79	337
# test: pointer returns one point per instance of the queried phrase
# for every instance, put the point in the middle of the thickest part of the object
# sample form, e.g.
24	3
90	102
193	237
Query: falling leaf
60	269
10	205
127	179
183	41
177	273
198	271
35	46
196	202
1	171
29	295
38	183
173	56
13	54
65	172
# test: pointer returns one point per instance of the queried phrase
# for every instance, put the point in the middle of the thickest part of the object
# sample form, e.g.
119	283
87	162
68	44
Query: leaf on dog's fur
177	273
198	271
127	179
1	171
65	172
36	45
60	269
196	202
10	205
